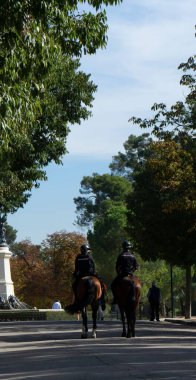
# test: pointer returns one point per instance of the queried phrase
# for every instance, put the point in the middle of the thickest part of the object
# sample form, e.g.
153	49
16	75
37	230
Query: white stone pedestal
6	284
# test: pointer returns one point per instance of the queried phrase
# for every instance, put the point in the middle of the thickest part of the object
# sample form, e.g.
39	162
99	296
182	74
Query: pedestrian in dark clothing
154	297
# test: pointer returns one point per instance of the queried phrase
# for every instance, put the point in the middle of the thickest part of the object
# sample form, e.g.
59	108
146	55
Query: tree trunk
188	293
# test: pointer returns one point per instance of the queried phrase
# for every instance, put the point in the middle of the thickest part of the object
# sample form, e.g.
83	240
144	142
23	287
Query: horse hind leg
133	320
128	317
122	314
94	334
94	316
84	334
131	331
131	325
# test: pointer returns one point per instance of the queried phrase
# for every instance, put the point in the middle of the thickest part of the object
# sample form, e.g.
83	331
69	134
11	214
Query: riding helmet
84	248
126	244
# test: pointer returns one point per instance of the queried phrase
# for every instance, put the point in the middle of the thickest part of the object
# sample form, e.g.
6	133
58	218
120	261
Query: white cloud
148	39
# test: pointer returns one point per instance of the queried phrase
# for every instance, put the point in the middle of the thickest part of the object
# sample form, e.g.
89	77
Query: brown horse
88	292
127	294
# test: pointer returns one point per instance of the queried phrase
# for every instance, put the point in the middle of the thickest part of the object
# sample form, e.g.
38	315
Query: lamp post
172	291
193	298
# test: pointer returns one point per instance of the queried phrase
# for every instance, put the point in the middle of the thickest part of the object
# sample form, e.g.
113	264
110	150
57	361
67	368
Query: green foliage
103	209
68	93
160	272
98	192
107	236
135	152
33	35
10	235
162	207
42	90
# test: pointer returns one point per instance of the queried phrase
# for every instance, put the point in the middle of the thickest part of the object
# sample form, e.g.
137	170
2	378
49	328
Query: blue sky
147	40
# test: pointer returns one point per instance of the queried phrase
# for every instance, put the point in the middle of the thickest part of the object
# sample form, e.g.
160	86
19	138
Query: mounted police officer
85	266
126	264
84	263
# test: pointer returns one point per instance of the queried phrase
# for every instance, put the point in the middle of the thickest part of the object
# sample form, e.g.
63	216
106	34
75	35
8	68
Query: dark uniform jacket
84	265
126	263
154	294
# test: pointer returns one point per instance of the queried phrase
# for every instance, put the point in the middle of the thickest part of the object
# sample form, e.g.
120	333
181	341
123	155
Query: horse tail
91	292
131	293
88	296
72	309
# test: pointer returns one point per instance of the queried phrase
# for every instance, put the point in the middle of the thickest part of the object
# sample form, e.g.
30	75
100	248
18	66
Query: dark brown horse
127	294
88	292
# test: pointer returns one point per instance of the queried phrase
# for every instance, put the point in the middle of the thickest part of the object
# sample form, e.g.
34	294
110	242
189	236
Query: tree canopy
97	193
161	212
162	207
102	209
42	90
34	36
10	235
163	204
135	152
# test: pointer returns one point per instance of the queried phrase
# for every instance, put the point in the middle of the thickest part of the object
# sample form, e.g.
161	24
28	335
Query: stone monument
8	301
6	284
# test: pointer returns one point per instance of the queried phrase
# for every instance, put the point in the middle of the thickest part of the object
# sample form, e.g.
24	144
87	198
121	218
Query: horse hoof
123	334
129	335
94	334
84	336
